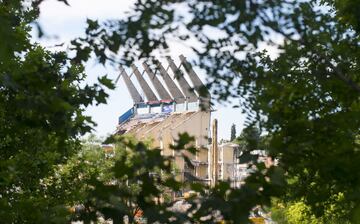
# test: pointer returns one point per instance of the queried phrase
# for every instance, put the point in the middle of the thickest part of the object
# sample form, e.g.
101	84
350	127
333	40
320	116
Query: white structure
229	166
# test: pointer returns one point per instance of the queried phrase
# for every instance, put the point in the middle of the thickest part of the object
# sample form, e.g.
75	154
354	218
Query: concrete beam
184	85
199	87
135	95
173	89
160	89
193	76
149	94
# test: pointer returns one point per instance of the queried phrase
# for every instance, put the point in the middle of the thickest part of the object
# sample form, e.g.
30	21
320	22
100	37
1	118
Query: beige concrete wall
202	154
134	130
202	159
165	132
202	171
197	124
156	132
228	154
141	132
226	160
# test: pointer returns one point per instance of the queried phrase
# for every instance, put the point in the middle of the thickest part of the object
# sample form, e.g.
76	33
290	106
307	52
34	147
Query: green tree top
306	98
233	132
42	100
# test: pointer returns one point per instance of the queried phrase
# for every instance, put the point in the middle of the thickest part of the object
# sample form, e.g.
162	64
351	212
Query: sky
62	23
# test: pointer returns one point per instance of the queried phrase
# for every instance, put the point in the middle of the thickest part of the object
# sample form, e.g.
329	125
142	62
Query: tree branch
337	71
347	80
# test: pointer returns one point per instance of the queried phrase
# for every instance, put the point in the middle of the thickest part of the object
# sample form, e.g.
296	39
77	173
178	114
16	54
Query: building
174	107
170	105
231	169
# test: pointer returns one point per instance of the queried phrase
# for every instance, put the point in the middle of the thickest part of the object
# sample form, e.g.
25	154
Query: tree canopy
301	90
233	132
305	95
42	100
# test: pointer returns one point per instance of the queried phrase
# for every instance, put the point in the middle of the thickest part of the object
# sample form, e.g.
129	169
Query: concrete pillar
215	159
173	89
198	85
184	85
160	89
149	94
135	95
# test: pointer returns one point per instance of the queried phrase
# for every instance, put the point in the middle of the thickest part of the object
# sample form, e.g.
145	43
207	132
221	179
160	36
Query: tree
42	99
306	97
233	132
131	179
299	212
250	139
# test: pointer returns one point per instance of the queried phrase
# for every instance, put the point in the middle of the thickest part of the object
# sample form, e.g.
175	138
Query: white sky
66	23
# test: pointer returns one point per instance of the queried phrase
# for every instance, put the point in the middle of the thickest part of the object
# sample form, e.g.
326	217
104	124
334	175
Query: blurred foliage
298	212
303	93
233	132
42	100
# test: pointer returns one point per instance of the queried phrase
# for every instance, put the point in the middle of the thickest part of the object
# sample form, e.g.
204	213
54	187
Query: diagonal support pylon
149	94
173	89
199	87
160	89
193	76
135	95
184	85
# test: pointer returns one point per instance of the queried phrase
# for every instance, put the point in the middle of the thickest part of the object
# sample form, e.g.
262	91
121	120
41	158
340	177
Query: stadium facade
166	105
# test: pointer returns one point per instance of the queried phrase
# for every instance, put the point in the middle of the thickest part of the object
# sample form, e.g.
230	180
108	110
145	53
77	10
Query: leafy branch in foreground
305	97
303	91
42	101
134	181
